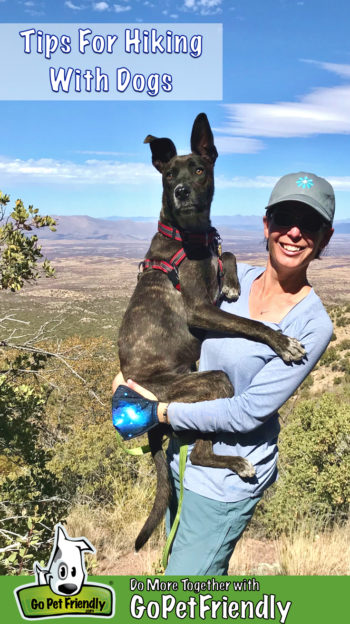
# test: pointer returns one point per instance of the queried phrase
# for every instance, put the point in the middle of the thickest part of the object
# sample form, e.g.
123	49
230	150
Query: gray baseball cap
307	188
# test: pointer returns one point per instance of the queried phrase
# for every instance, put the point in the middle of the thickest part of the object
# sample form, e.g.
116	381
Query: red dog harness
171	267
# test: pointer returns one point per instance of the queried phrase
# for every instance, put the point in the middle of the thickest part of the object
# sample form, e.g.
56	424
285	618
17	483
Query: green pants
208	532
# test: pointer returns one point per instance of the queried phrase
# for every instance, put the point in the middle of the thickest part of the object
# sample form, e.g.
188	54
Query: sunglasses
307	223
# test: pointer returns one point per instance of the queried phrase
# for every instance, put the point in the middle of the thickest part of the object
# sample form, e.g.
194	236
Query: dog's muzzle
181	192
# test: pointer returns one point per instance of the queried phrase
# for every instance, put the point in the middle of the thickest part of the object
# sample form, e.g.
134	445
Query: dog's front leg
230	288
206	316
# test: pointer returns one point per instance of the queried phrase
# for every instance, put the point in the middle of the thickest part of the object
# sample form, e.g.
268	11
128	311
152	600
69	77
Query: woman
217	504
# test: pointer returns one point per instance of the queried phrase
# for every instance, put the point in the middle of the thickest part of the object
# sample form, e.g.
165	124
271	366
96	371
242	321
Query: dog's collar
169	231
195	238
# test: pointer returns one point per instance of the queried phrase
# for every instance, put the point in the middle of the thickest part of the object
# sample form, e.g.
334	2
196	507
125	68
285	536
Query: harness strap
182	466
170	268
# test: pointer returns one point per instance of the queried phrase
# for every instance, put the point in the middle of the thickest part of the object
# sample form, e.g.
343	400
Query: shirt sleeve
267	392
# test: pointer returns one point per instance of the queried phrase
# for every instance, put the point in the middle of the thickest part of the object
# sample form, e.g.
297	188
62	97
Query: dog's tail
163	490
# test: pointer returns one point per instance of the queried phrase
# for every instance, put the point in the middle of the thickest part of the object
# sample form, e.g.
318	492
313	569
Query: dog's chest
200	280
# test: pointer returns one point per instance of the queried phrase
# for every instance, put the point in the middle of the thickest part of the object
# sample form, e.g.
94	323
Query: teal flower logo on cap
305	182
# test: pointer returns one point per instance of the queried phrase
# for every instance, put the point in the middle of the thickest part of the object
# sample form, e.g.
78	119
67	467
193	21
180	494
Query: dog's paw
231	293
243	467
292	350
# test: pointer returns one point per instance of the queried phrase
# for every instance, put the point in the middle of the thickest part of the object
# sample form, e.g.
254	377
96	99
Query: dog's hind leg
203	387
203	455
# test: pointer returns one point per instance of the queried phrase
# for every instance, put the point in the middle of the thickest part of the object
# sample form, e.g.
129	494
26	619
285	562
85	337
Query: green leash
182	466
137	450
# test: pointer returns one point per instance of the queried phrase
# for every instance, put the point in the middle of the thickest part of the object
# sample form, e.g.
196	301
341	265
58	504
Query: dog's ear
162	150
202	140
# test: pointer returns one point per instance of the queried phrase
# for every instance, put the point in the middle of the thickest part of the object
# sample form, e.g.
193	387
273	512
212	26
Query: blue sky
285	107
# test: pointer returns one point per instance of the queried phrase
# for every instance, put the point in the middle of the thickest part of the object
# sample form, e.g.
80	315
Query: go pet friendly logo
60	589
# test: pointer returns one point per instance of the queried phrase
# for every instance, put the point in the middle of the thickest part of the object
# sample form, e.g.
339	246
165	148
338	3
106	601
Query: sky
285	108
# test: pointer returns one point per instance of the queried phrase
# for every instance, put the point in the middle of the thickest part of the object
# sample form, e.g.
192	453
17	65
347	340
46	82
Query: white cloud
203	7
51	171
103	153
74	7
238	145
222	182
323	111
33	8
119	8
341	70
340	183
95	172
100	6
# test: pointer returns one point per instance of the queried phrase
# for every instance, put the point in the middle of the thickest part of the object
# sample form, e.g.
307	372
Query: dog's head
66	572
188	181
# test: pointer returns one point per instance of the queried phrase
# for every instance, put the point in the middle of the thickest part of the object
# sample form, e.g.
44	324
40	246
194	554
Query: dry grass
112	531
254	556
305	552
317	553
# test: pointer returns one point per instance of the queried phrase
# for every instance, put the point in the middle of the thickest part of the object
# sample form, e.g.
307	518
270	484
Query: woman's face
295	235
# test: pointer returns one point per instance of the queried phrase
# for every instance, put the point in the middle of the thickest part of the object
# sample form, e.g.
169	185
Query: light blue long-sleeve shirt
247	424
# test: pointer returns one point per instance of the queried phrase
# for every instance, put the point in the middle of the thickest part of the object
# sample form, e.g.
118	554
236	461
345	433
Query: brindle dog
161	333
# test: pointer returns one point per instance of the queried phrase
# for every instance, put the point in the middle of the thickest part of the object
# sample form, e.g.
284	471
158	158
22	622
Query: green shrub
329	356
344	344
342	321
315	465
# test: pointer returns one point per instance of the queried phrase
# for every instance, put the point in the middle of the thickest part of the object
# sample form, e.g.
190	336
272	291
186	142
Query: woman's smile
290	249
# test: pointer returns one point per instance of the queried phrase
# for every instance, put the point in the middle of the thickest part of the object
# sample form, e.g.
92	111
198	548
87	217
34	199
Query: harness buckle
141	269
174	277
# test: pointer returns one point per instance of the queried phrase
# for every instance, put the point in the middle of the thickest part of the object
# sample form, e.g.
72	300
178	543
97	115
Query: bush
315	465
344	345
30	501
329	356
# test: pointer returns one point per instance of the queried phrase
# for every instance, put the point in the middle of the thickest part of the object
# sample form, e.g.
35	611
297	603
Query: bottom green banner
126	599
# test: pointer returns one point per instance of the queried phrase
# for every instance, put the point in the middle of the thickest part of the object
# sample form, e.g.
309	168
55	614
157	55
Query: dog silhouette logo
61	588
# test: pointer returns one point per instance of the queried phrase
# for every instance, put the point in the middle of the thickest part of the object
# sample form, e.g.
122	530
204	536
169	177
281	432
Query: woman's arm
268	391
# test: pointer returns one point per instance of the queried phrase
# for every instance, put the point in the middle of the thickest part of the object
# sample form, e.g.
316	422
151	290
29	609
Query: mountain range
82	227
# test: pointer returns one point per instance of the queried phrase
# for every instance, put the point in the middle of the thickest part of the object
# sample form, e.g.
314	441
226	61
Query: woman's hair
325	225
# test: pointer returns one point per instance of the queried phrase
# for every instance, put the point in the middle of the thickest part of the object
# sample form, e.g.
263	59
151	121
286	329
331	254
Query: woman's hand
162	407
141	390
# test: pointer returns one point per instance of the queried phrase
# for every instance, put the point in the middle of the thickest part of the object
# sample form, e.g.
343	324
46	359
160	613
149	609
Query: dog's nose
67	588
182	192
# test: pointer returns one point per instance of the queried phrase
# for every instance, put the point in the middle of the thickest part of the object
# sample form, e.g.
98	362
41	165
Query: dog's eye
74	571
62	571
199	171
169	175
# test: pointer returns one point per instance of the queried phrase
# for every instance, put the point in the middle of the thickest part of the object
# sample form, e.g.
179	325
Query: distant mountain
82	227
